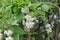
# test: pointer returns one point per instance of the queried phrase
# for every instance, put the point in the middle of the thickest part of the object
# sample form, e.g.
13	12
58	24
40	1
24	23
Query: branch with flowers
28	21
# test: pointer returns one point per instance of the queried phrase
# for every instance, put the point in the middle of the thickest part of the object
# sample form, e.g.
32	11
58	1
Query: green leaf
8	7
42	13
17	30
20	16
33	38
15	36
27	0
35	5
10	20
59	34
58	20
1	9
45	7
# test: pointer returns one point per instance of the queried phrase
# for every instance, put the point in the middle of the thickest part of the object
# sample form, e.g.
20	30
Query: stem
28	36
57	30
18	36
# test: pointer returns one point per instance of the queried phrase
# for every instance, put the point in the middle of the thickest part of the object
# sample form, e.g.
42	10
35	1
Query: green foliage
58	21
17	30
59	35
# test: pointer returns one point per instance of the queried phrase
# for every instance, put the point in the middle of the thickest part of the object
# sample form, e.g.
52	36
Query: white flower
25	10
23	22
52	22
51	16
59	10
9	32
9	38
32	19
5	32
49	30
29	18
29	22
37	21
47	25
1	36
29	25
55	16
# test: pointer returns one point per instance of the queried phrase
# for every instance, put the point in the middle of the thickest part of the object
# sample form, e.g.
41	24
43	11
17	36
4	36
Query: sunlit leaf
58	20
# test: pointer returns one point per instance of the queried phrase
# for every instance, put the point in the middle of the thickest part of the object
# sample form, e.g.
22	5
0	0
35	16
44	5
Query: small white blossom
9	33
9	38
49	31
29	18
32	19
55	16
23	22
59	9
52	22
1	36
37	21
51	16
25	10
29	22
5	32
48	28
48	25
29	25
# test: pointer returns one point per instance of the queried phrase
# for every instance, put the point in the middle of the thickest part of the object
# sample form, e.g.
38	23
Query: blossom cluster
48	28
29	22
8	33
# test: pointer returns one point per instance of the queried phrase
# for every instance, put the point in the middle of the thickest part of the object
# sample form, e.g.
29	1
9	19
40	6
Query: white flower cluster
29	18
54	16
8	33
48	28
29	25
29	22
